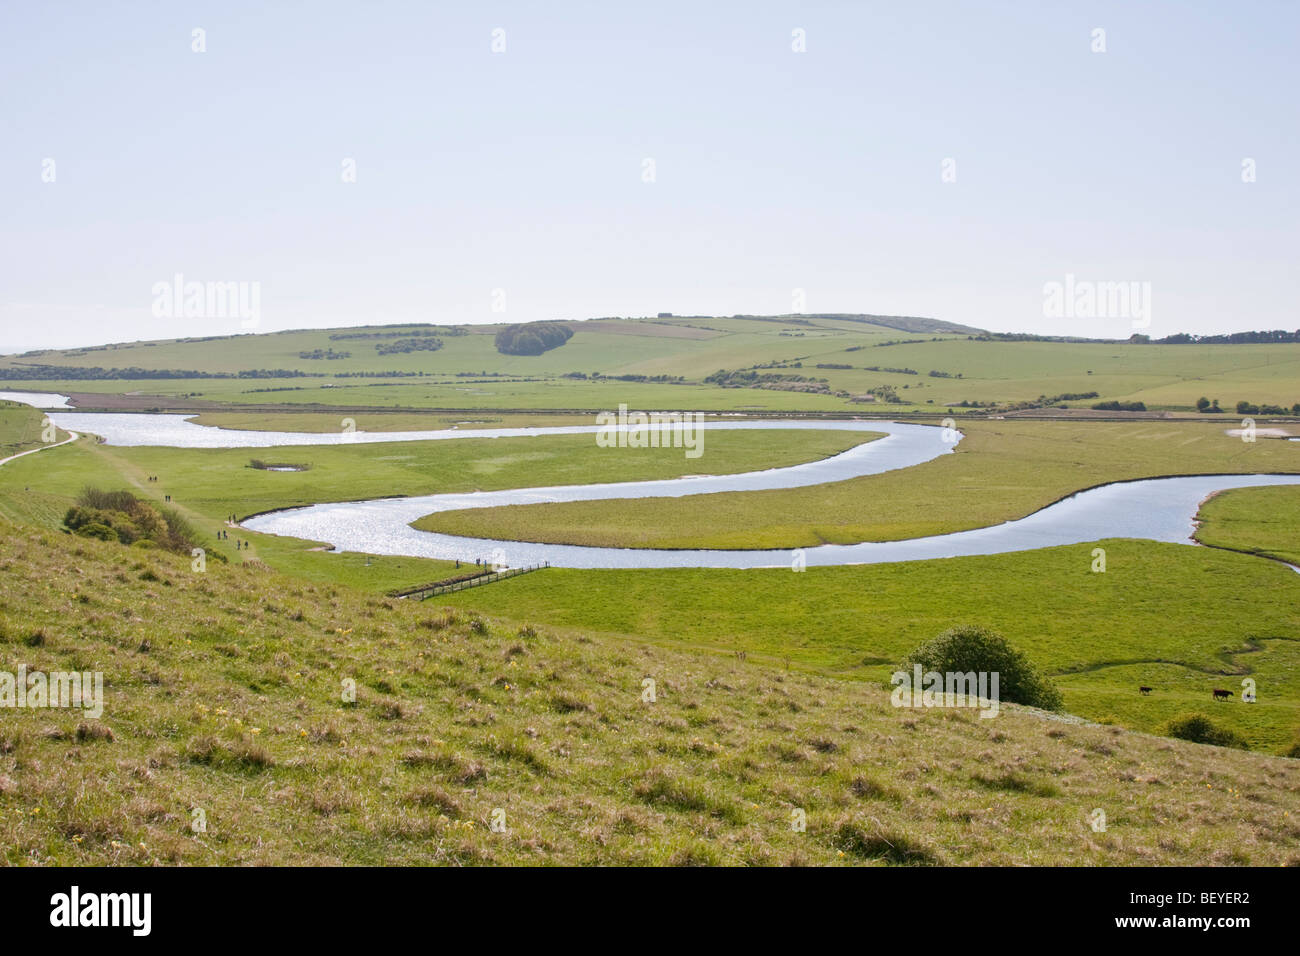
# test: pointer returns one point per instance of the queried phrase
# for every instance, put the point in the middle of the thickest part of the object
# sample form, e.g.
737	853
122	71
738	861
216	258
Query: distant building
665	315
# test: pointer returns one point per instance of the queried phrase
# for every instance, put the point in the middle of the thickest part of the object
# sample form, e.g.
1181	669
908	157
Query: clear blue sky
523	170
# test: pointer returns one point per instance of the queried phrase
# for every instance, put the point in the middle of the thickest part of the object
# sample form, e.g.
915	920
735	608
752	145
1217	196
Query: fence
433	590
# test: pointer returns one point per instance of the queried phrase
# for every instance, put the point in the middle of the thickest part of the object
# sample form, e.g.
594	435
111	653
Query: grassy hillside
929	366
21	429
223	695
1180	619
1001	470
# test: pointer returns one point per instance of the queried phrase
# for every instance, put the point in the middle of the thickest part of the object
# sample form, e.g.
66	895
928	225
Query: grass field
1264	521
1001	470
1181	619
223	698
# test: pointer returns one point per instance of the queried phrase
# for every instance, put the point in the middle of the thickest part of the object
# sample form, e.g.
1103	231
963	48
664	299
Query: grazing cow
1220	694
1144	690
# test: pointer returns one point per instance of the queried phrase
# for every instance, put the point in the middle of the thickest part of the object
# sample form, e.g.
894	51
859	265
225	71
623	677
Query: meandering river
1159	509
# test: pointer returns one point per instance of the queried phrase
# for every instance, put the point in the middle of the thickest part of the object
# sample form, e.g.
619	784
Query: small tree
974	648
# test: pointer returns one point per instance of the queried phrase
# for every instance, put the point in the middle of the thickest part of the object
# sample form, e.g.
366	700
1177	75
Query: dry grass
449	725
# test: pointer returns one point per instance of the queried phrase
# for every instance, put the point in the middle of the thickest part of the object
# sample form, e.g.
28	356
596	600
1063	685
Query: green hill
826	363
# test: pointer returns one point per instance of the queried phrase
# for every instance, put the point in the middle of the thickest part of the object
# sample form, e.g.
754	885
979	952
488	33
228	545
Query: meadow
228	737
1263	521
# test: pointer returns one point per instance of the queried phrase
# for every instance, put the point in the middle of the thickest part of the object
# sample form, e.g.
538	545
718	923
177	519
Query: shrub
121	516
975	648
1199	729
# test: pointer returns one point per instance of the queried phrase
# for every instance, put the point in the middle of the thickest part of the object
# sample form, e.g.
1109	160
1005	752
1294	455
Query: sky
523	161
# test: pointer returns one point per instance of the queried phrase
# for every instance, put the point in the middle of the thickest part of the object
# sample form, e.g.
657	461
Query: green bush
1199	729
121	516
96	530
974	648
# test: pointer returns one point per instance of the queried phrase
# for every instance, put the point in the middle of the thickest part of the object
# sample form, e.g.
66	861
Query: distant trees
1233	338
532	338
1120	407
428	343
83	373
1250	408
327	354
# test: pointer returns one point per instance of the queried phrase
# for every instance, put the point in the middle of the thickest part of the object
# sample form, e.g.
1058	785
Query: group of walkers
224	535
154	478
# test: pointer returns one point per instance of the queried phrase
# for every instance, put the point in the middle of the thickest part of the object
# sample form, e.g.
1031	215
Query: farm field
1001	470
222	697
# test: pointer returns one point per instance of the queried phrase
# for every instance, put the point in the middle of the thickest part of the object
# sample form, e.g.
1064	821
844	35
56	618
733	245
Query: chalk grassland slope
21	429
614	347
1001	470
223	695
209	485
1181	619
1264	521
975	370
